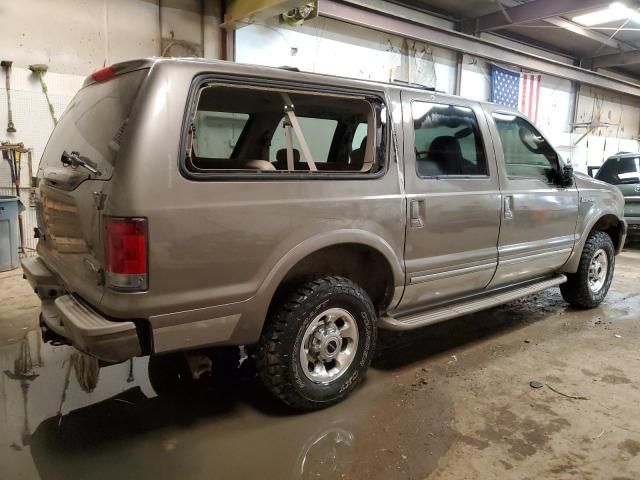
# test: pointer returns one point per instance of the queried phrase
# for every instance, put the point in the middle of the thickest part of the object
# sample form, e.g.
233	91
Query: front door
453	199
539	217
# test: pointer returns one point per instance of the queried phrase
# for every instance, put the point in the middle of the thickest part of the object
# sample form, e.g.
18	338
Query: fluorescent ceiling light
615	12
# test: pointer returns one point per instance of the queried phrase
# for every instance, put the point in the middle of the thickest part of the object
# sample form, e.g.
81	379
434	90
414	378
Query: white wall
77	37
603	106
80	36
331	47
31	115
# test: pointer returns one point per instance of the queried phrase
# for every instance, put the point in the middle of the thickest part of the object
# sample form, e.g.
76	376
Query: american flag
516	90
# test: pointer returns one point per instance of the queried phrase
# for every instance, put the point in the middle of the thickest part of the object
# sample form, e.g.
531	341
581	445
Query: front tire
317	346
589	285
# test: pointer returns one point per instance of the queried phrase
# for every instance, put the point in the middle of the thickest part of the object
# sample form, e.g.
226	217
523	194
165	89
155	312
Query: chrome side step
440	314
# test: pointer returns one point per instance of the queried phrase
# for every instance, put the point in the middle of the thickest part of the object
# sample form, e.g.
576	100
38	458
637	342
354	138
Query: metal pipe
6	64
160	26
202	16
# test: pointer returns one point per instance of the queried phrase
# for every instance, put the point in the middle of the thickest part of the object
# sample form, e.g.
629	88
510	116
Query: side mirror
565	176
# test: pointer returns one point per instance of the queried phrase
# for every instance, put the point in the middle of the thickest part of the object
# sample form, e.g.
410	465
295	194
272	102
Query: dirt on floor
532	389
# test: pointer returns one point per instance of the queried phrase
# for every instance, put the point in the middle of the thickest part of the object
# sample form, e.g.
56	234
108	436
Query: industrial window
447	141
245	129
526	153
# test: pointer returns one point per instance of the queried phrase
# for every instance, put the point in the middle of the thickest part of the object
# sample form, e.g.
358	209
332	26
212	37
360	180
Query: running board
440	314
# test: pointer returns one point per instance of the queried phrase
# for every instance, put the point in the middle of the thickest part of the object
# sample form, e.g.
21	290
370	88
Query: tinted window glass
618	171
447	141
526	153
245	129
95	122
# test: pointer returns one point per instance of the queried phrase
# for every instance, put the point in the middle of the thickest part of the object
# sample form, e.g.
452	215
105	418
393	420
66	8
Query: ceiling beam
580	30
617	59
587	33
389	22
532	11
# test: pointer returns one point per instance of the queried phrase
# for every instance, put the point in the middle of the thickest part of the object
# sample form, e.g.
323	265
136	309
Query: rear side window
619	171
95	121
447	141
526	153
243	129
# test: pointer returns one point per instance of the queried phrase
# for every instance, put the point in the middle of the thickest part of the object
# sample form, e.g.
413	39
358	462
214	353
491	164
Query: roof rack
290	69
414	85
393	82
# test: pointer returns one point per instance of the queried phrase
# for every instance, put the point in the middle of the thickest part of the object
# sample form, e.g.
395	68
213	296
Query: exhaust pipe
6	64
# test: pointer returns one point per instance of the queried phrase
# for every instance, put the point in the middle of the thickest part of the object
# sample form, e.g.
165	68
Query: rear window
620	171
94	122
242	129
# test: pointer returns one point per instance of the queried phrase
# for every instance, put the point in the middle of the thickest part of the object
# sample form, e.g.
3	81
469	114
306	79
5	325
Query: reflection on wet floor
78	422
61	417
103	423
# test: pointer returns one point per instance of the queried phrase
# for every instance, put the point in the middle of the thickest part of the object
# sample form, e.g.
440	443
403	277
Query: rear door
92	129
453	199
538	229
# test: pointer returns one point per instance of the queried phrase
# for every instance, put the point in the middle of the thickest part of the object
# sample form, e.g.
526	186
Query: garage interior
530	389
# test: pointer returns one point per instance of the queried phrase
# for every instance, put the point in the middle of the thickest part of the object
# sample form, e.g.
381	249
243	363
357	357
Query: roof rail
290	69
414	85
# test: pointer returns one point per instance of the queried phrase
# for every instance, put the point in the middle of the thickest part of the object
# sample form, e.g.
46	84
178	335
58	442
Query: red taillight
125	243
103	74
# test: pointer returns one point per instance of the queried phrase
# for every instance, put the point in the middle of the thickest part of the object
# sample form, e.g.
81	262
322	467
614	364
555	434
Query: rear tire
317	346
589	285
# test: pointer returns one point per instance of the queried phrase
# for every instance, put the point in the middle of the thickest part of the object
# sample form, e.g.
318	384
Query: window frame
479	176
560	162
371	97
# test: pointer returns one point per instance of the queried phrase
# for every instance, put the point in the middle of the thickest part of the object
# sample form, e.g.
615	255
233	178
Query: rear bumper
81	325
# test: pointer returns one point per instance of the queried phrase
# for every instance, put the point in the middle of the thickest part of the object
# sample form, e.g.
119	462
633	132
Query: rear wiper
74	160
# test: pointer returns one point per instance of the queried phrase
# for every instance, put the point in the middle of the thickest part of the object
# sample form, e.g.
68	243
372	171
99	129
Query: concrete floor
452	401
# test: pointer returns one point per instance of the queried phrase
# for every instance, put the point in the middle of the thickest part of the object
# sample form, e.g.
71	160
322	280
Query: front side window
526	153
447	141
620	171
246	129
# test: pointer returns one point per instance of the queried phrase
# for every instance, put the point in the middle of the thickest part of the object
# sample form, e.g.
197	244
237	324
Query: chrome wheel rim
329	345
598	269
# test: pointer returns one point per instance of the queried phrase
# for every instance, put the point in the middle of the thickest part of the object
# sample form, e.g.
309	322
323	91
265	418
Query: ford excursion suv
623	171
188	208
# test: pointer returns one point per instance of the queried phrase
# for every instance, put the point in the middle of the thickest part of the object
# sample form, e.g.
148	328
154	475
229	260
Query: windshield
94	122
620	171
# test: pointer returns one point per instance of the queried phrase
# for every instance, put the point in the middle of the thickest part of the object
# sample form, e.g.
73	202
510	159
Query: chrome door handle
415	216
508	207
